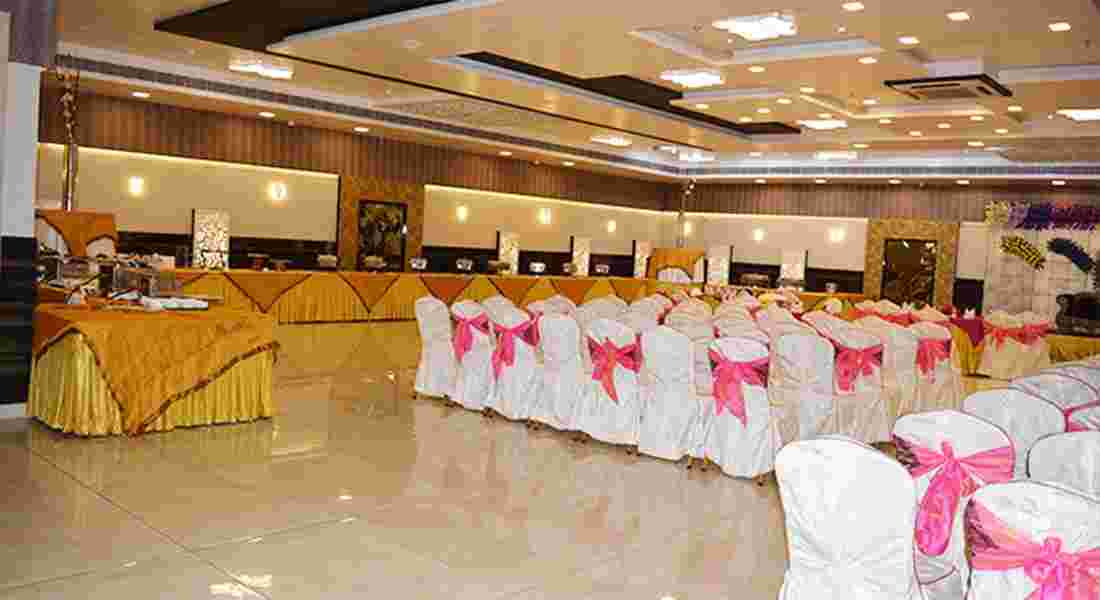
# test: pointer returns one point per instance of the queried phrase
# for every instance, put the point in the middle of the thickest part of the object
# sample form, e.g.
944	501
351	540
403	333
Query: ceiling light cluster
263	67
908	40
823	124
958	16
757	28
694	78
1060	26
1081	114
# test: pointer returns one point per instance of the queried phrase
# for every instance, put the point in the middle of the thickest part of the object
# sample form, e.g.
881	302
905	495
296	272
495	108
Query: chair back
1070	394
433	320
561	338
1025	418
1070	459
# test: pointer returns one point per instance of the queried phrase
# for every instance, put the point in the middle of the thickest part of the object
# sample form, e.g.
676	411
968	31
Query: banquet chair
1085	371
514	363
949	454
1025	418
800	384
1032	540
661	299
562	303
497	302
669	408
849	512
733	311
899	364
1014	346
561	381
674	275
738	431
859	409
939	383
540	307
436	372
700	330
473	344
1068	459
740	328
929	314
609	409
639	321
1071	395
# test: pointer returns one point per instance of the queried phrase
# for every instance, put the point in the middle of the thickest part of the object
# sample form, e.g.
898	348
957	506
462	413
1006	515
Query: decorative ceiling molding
765	54
407	16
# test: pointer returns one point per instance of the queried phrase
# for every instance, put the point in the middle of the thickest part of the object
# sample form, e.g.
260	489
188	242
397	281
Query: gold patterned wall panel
946	235
354	190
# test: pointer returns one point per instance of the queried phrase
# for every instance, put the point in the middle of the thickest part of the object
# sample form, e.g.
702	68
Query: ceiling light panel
823	124
836	155
272	69
958	16
853	6
1081	114
757	28
694	78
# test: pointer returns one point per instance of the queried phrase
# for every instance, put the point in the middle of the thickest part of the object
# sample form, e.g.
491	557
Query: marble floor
355	489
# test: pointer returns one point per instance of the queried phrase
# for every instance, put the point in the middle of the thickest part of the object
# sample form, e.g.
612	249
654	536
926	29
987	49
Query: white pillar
19	149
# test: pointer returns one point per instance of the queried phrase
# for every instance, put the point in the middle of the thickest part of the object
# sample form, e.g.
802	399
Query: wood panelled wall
933	202
123	124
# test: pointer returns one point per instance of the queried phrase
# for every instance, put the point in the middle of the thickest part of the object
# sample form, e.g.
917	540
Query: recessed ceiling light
958	16
756	28
819	181
909	40
696	156
756	154
504	153
807	90
868	60
976	144
895	181
824	115
702	106
761	181
1080	114
784	101
267	115
1001	131
885	121
694	78
142	95
963	181
852	6
944	125
362	129
842	29
915	133
1061	26
763	110
611	139
745	119
568	163
977	118
1058	182
824	124
1015	108
861	146
870	102
756	69
836	155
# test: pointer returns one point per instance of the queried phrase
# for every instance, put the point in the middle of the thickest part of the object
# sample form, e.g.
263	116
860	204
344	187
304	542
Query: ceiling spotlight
944	125
870	102
362	129
977	118
868	60
824	115
702	106
860	146
756	154
267	115
963	181
756	28
568	163
895	181
976	144
807	90
783	101
908	40
761	181
142	95
915	133
694	78
820	181
764	110
1062	26
745	119
852	6
1015	108
842	29
885	121
958	16
836	155
1001	131
504	153
1058	182
756	69
611	139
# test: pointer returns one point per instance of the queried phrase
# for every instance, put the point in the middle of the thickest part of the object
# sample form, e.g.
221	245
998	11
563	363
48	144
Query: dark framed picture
382	233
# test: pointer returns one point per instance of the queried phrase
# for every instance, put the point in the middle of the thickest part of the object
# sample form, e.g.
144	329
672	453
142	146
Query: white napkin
970	314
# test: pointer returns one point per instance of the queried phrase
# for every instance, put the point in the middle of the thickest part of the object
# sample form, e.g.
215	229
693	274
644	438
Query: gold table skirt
69	393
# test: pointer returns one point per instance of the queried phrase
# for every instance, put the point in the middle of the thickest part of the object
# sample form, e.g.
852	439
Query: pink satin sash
606	356
954	481
851	363
930	353
994	546
505	353
464	334
903	319
728	377
1068	414
1027	335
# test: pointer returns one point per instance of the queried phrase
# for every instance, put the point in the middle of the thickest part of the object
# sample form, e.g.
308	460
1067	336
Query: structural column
27	45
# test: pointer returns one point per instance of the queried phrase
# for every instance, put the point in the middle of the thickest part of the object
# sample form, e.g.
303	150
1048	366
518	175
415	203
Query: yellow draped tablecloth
677	258
1066	348
101	372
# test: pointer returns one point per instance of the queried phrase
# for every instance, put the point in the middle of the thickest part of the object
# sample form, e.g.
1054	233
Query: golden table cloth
99	372
1066	348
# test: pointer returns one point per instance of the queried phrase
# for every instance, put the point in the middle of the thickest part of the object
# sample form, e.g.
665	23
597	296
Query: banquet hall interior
512	299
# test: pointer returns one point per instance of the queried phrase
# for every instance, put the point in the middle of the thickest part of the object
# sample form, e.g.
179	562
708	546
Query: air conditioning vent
959	87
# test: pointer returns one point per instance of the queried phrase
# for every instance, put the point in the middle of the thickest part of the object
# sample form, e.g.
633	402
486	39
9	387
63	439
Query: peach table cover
80	228
679	258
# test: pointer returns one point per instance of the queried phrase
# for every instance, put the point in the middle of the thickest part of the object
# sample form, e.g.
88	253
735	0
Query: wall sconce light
137	186
758	235
545	218
837	235
277	191
462	212
688	228
612	226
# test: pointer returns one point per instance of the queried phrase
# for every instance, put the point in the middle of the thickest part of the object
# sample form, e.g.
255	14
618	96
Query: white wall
175	186
488	212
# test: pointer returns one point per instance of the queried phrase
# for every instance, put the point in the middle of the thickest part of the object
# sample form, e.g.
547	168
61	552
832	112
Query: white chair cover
638	321
1068	459
694	306
1032	515
945	575
741	449
899	365
746	299
886	307
861	412
562	381
494	302
742	329
600	416
800	384
732	312
673	275
930	314
1012	358
1087	372
670	409
1073	396
515	388
474	381
661	299
562	303
942	387
849	515
1025	418
436	372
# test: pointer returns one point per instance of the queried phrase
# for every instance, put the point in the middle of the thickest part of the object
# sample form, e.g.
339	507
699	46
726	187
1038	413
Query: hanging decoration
1073	251
1025	250
70	97
1042	215
997	213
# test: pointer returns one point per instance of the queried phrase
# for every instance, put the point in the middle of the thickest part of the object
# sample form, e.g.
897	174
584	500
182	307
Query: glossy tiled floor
355	490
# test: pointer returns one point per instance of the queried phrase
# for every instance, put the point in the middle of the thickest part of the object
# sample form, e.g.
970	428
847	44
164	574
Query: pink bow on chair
464	333
606	356
931	352
851	363
955	479
728	377
1068	414
1060	575
505	352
